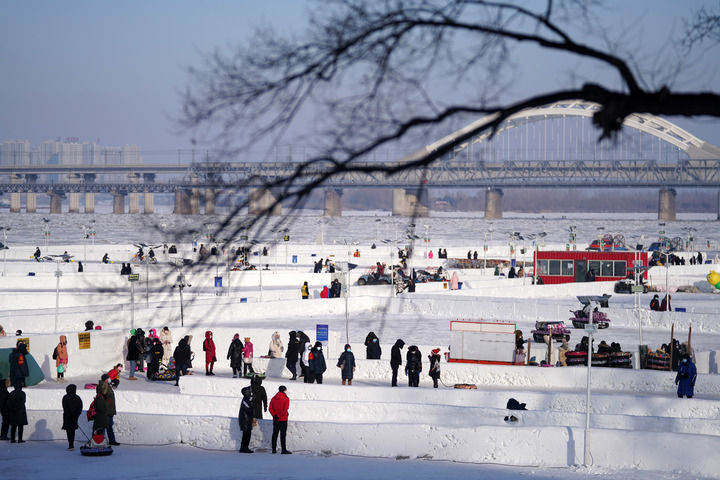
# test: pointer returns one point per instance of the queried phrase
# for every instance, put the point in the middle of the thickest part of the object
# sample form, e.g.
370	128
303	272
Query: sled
599	318
97	446
163	376
465	386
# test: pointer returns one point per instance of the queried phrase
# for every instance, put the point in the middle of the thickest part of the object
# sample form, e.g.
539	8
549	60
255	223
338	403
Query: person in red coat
209	349
279	406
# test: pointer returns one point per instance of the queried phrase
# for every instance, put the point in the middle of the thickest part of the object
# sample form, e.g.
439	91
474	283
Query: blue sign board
321	333
218	282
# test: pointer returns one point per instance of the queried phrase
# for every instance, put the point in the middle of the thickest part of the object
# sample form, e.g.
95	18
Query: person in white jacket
167	344
307	375
276	346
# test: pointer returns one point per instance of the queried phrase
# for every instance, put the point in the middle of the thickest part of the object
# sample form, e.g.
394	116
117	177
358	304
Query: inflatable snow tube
713	279
89	451
576	358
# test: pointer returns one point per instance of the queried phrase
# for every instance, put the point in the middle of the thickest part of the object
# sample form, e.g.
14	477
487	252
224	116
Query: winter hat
282	388
435	351
236	336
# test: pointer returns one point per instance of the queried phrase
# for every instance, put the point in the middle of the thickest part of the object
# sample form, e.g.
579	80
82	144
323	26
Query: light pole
181	284
58	273
427	240
85	236
589	329
4	248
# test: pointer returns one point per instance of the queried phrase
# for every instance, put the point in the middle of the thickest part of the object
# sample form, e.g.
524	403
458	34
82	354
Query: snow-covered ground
638	425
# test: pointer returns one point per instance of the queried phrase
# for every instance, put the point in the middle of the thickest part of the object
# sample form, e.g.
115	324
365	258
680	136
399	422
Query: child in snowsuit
346	363
209	349
72	408
248	358
434	371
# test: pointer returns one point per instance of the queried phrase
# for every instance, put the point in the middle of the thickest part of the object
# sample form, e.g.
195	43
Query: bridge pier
493	203
333	202
260	200
31	202
89	202
182	202
407	204
148	197
666	204
118	202
55	203
209	201
73	197
15	198
133	196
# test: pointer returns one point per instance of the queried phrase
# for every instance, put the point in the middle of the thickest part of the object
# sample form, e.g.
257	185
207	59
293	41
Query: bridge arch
658	127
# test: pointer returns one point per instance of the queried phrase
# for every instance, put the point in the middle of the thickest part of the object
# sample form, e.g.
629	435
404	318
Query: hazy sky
114	71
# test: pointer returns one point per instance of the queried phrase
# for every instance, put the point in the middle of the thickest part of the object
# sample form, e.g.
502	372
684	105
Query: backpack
91	412
55	355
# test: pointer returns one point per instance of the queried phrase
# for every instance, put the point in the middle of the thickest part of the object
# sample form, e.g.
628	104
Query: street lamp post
589	329
181	284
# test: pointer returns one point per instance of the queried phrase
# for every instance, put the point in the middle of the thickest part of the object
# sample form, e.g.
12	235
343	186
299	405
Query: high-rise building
15	152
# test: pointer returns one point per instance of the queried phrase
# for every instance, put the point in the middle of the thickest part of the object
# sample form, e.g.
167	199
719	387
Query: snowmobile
556	329
590	310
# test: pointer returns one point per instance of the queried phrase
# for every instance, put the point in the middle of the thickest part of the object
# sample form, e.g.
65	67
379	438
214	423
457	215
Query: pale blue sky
114	70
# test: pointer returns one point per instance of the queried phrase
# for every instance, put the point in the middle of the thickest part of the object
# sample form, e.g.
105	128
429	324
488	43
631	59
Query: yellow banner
84	340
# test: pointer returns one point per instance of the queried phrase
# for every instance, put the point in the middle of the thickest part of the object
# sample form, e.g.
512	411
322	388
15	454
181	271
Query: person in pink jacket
209	349
247	357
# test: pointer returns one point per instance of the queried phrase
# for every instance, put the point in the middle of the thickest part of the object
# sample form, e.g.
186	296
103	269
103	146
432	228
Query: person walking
434	371
279	406
166	340
413	366
372	347
72	408
292	354
685	378
276	346
209	349
17	414
248	358
235	355
396	359
346	363
245	419
259	396
60	355
316	363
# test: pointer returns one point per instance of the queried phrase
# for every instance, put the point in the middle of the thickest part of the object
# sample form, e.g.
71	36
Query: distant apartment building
68	152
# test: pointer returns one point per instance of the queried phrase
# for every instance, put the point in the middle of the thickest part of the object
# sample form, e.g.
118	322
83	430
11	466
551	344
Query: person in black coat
134	353
72	408
259	396
235	355
156	354
434	371
396	359
413	366
316	362
18	364
291	354
182	357
17	415
346	363
4	409
372	347
245	419
302	340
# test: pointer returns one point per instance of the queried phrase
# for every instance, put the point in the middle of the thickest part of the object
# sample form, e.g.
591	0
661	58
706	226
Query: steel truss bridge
700	169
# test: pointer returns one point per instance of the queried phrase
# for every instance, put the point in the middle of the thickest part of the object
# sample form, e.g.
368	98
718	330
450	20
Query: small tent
36	375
